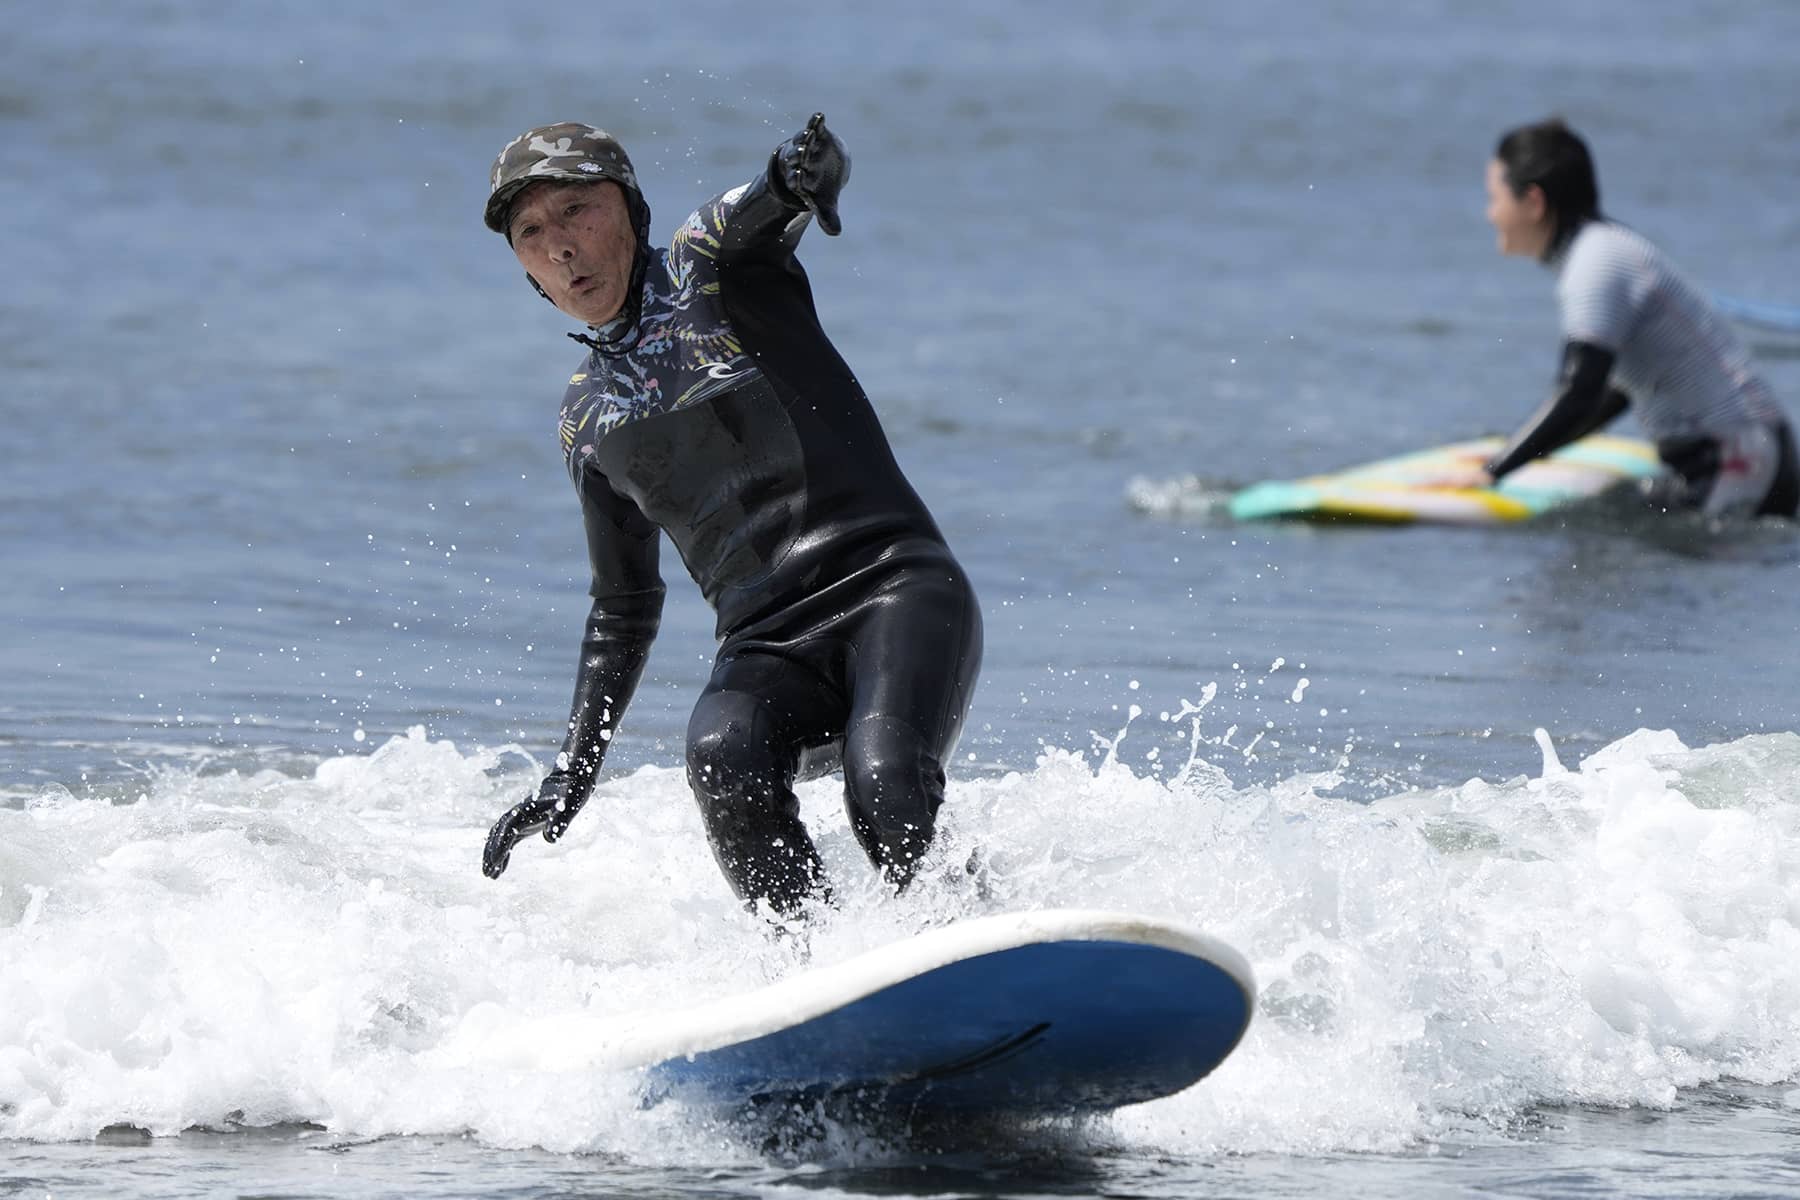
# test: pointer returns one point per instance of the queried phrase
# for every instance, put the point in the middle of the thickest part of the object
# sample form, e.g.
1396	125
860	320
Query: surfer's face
576	240
1521	222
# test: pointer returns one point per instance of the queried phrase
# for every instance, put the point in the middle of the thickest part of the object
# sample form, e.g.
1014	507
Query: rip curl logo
590	168
722	371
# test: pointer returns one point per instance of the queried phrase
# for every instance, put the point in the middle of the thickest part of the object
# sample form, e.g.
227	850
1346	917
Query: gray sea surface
289	549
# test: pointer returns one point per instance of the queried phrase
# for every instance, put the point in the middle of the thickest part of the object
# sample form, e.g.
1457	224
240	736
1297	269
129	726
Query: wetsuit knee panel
893	788
734	749
892	779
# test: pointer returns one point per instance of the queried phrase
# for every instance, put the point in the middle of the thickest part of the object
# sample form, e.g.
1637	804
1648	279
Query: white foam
267	948
1180	496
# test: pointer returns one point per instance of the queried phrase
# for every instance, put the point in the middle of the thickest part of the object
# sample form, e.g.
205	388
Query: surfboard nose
1066	1025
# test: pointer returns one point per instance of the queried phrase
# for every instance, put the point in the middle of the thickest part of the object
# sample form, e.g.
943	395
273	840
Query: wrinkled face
576	240
1522	222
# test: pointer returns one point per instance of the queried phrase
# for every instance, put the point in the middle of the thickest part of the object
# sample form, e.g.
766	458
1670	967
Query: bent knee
732	751
893	778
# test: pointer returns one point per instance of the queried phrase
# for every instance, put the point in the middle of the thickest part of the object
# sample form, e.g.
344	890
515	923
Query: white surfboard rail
813	993
623	1041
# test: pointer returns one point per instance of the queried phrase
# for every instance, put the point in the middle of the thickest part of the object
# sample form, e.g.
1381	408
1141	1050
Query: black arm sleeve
1612	407
766	221
627	610
1580	404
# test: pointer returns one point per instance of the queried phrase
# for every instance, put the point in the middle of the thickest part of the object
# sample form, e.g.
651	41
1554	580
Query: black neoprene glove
559	797
809	170
613	646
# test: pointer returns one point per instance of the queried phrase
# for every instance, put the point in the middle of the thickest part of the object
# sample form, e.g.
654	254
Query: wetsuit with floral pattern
849	635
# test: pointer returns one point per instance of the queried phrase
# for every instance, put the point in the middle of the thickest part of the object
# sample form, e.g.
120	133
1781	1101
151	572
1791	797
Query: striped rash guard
1686	372
1638	334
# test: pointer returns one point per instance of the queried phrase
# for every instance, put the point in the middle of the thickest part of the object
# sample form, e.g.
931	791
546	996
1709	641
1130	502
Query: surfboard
1038	1013
1780	318
1771	329
1390	491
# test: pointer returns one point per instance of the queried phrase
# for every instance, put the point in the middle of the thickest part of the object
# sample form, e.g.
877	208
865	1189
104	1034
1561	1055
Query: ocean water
1505	820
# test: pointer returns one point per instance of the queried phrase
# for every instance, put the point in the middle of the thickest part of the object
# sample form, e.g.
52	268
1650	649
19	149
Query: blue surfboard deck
1394	490
1780	318
1041	1013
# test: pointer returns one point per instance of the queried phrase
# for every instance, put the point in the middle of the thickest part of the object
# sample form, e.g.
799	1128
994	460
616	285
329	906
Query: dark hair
1553	156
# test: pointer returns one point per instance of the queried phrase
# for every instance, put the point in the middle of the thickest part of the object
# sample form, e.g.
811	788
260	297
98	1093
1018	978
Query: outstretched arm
627	610
1580	404
804	176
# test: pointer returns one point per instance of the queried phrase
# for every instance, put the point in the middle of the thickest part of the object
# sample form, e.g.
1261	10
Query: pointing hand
811	168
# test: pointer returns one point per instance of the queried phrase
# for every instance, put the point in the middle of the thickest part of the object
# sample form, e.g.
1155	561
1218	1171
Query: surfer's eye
523	232
573	209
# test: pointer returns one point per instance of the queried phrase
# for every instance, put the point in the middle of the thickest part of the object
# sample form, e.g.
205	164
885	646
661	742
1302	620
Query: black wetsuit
848	633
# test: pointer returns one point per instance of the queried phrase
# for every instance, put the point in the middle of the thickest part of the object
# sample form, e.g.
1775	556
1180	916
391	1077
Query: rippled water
293	579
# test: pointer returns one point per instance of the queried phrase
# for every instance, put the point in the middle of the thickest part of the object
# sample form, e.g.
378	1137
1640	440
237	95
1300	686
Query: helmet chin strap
634	304
634	292
590	342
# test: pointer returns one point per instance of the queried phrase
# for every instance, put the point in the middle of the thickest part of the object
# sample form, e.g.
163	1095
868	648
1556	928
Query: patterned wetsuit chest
686	353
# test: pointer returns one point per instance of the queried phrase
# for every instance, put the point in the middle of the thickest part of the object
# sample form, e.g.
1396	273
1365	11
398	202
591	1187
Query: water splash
264	948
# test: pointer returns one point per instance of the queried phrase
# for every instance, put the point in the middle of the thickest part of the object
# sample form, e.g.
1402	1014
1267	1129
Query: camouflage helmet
568	151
